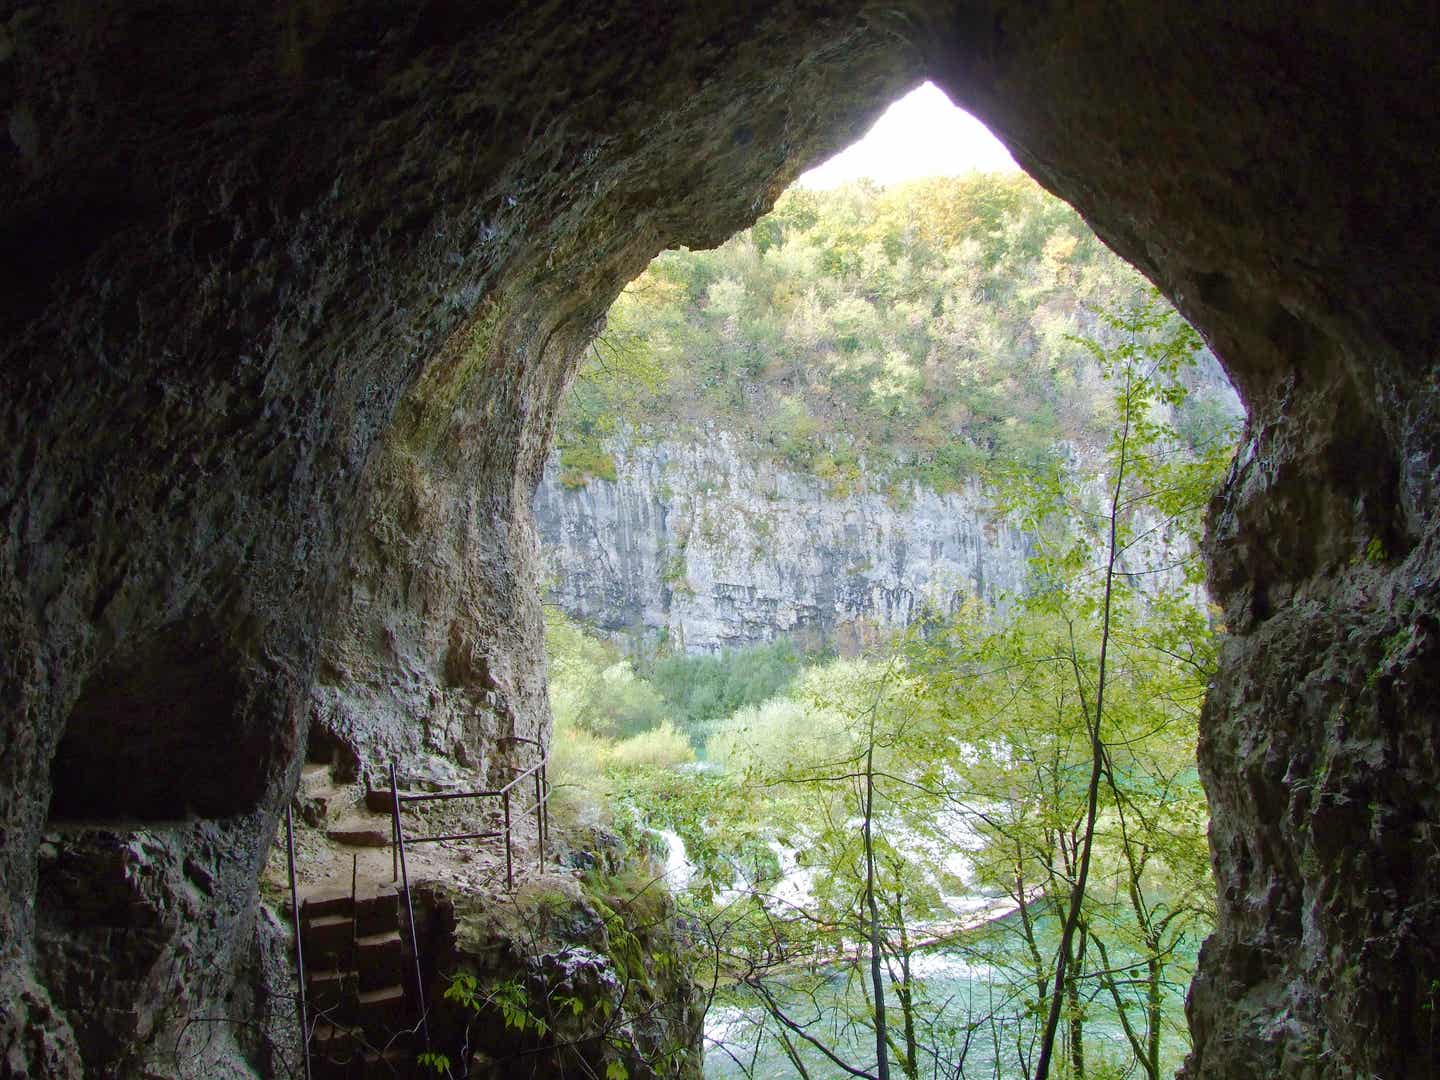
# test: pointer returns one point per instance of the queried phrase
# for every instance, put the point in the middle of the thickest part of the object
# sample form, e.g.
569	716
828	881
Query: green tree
1084	705
895	324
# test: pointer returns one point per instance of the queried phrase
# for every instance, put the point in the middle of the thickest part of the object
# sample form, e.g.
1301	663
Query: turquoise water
975	1012
972	1022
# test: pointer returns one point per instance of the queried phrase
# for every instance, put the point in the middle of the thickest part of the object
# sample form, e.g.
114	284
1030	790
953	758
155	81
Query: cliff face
431	659
242	253
709	546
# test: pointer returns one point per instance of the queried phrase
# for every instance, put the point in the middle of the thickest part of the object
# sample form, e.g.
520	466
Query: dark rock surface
288	295
601	958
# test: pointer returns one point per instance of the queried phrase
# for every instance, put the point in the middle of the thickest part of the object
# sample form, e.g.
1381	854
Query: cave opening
287	251
142	744
736	398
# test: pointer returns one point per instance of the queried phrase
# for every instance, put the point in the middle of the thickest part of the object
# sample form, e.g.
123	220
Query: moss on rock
587	971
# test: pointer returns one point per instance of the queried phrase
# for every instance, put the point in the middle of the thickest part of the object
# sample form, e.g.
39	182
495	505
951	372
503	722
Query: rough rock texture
265	991
121	942
432	659
245	252
711	547
600	957
289	294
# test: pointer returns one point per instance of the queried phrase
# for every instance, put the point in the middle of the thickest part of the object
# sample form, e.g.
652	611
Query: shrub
580	462
776	735
661	748
622	704
577	776
702	689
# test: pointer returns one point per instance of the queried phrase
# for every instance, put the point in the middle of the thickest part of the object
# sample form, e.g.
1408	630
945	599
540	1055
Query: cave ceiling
289	294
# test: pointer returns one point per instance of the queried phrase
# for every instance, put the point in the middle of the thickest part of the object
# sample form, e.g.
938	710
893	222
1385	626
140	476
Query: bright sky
922	134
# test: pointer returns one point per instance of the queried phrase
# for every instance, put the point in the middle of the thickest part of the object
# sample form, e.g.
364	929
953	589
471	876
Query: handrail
299	948
409	906
540	808
492	835
402	872
533	768
436	796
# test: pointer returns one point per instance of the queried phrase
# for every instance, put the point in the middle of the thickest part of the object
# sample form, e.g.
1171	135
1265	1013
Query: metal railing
297	910
505	795
300	1001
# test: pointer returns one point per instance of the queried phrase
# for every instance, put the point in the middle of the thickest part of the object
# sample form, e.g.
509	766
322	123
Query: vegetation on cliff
588	973
980	845
930	331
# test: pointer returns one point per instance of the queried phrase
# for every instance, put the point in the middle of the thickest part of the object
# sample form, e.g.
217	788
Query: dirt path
346	842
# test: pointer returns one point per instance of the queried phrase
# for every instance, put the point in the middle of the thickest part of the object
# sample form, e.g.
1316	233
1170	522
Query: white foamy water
679	870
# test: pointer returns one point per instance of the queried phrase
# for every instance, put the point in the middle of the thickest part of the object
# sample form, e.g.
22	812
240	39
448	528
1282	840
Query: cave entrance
792	447
142	743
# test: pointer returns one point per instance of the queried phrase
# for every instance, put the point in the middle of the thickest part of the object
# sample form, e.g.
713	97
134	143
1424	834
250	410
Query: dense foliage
981	846
928	331
703	689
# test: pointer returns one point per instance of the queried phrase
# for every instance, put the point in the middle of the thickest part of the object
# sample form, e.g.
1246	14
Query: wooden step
328	937
330	991
383	1011
325	902
337	1041
377	911
316	795
359	834
344	1053
380	801
380	959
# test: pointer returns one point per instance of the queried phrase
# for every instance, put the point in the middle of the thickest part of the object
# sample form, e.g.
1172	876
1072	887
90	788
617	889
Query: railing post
545	783
354	908
409	907
509	863
540	819
299	948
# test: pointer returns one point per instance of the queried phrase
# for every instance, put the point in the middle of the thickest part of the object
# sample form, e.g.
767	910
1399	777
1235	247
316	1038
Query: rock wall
708	545
431	659
288	295
600	957
241	253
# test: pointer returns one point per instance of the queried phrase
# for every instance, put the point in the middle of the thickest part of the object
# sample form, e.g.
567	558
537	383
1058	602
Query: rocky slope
241	256
708	545
575	974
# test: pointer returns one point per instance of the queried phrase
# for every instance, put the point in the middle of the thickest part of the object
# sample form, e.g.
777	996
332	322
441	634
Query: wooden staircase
361	1016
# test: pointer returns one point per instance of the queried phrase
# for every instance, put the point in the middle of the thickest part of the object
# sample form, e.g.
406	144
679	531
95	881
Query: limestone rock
289	295
611	943
706	545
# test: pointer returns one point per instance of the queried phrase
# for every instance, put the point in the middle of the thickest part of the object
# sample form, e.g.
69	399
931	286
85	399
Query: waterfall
679	870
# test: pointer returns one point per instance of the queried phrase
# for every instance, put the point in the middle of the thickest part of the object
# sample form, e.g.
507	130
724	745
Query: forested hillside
807	430
974	840
927	330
